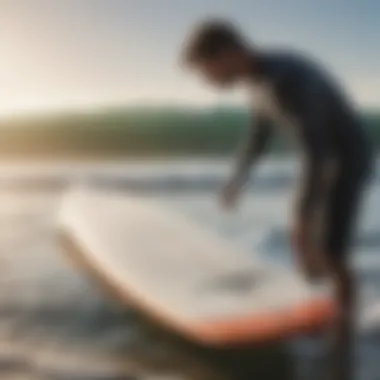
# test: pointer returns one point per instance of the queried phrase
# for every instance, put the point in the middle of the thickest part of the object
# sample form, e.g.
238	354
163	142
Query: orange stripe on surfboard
311	316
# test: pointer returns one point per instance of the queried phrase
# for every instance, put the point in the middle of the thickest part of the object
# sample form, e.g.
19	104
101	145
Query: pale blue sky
75	53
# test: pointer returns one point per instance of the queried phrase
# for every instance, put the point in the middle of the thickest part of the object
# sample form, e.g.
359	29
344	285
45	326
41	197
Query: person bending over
295	93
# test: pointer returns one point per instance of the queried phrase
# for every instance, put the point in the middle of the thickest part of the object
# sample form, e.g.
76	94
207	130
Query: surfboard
185	277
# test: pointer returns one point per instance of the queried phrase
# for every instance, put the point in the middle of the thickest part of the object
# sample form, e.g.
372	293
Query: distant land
136	131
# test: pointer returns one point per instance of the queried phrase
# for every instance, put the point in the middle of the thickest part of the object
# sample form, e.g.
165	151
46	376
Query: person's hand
229	195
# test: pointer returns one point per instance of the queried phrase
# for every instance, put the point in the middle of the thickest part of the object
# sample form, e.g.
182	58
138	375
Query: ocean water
55	323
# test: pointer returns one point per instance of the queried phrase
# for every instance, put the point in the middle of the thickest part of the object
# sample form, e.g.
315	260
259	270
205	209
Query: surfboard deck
186	278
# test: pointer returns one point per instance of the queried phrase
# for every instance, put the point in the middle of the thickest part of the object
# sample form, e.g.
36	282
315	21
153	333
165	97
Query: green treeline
135	132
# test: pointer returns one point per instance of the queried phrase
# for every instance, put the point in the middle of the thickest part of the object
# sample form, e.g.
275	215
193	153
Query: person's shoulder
290	59
289	65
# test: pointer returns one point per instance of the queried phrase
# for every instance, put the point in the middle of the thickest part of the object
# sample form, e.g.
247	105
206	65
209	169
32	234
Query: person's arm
253	146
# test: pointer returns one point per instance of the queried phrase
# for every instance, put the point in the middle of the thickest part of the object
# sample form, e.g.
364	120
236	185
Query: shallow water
56	324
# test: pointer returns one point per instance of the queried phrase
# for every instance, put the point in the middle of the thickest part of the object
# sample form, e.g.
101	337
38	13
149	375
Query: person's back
293	92
288	80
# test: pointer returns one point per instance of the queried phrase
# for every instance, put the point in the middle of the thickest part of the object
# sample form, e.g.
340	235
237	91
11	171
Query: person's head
219	52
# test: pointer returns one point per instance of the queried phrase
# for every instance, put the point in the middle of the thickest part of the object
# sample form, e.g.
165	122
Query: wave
184	175
133	182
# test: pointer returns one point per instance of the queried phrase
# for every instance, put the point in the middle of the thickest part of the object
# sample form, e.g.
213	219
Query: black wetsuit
295	93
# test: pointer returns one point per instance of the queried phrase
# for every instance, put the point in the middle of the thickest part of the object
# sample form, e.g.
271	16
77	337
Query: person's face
223	71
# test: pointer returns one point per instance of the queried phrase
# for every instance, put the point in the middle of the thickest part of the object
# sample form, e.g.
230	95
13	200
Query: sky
64	54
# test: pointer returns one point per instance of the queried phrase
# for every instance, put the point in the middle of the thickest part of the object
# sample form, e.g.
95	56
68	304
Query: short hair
210	38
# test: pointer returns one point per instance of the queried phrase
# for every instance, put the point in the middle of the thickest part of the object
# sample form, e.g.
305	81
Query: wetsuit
295	93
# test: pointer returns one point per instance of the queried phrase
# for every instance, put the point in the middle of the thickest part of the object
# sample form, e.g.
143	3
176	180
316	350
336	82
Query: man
296	94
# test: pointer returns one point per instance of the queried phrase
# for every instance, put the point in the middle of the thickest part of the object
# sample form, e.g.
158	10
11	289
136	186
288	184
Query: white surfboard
184	276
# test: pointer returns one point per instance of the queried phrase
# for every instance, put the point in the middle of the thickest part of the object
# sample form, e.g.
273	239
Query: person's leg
341	354
307	250
341	218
